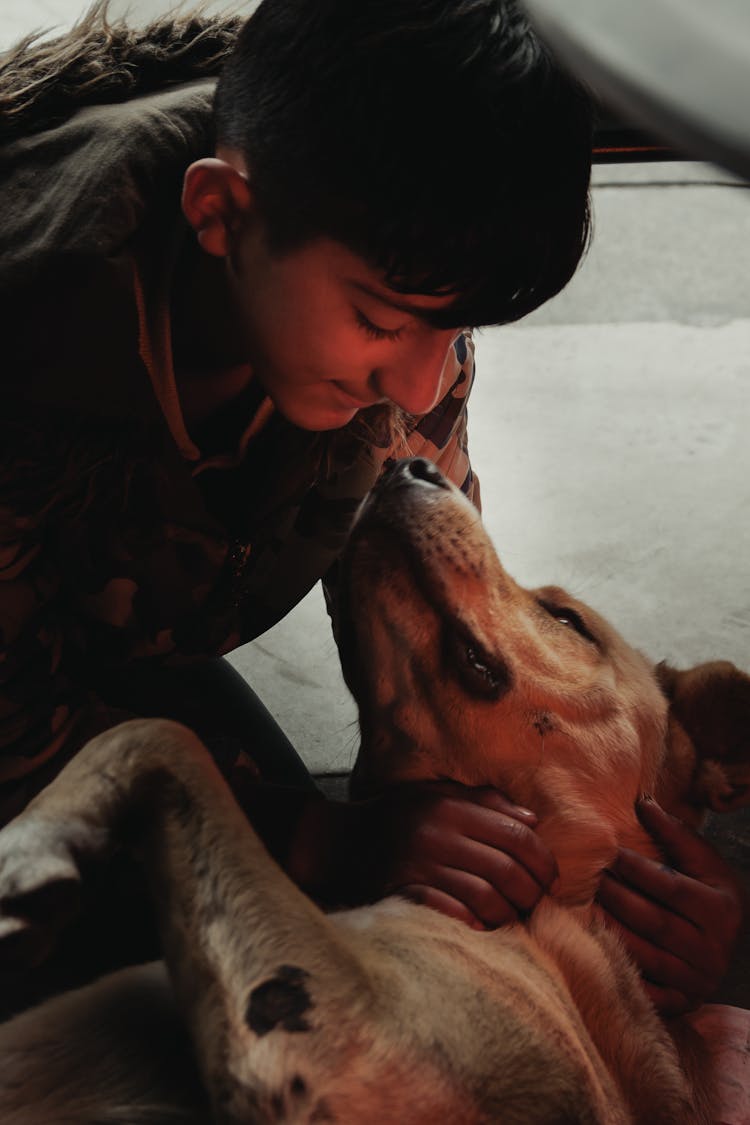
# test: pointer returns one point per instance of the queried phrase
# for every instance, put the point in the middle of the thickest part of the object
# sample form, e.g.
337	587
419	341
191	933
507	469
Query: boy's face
326	337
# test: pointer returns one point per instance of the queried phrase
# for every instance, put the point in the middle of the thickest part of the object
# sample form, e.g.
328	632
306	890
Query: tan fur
388	1013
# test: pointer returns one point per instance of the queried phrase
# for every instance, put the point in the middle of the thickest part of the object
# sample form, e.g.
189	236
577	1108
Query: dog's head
460	673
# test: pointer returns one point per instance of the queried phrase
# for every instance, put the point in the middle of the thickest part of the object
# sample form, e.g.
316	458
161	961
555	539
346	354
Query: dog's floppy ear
711	703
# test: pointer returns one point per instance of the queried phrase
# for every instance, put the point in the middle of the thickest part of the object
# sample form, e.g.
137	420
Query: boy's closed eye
375	331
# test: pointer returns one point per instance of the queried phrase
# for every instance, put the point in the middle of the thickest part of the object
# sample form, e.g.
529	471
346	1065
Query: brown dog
387	1013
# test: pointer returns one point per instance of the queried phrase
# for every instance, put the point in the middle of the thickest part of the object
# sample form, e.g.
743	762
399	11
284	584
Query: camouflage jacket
120	541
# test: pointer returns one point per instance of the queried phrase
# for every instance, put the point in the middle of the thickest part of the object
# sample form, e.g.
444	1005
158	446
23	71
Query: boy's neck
207	354
205	329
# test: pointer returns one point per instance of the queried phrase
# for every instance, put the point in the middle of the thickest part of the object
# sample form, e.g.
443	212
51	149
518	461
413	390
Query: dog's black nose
414	469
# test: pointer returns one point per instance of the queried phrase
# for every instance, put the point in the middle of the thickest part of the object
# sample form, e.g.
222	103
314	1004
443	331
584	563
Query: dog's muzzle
410	473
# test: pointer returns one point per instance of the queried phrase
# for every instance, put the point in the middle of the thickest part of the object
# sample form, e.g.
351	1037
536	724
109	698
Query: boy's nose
415	382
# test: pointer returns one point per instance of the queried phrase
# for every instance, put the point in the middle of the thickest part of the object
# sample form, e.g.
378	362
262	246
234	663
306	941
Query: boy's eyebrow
421	312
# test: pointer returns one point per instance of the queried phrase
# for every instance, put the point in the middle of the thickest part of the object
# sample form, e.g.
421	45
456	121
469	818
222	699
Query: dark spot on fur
543	723
280	1001
298	1086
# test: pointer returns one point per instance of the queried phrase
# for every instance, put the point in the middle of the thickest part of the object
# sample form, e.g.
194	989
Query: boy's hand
679	923
468	853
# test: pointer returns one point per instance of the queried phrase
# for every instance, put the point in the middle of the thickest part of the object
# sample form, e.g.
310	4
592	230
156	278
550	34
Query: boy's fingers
706	905
483	902
492	799
481	816
658	937
440	901
502	876
650	920
473	845
661	969
479	795
684	847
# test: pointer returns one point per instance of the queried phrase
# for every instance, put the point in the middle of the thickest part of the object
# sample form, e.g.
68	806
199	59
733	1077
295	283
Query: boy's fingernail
523	813
643	804
517	807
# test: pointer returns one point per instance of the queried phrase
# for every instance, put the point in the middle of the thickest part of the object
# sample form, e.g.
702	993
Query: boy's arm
44	715
48	711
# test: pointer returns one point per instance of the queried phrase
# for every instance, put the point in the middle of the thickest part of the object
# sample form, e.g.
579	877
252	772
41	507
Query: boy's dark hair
436	138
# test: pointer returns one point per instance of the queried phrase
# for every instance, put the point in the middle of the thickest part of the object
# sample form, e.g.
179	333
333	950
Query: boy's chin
316	419
329	422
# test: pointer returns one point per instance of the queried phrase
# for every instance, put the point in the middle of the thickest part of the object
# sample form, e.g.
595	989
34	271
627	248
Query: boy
200	388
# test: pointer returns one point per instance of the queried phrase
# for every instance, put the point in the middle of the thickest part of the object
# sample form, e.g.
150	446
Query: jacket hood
44	81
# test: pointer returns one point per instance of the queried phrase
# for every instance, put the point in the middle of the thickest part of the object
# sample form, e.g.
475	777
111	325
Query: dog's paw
40	889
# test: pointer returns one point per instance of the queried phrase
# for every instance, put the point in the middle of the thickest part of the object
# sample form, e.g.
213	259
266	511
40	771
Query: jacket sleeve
46	710
44	716
441	435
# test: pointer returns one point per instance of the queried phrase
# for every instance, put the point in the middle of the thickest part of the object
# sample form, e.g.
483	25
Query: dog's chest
491	1010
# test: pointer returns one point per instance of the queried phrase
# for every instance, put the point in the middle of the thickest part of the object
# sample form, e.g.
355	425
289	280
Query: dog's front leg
269	988
272	993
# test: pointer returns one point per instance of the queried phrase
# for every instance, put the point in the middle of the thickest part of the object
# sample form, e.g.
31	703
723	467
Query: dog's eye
569	617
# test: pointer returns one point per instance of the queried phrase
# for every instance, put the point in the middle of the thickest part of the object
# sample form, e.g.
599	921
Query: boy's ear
711	703
216	198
